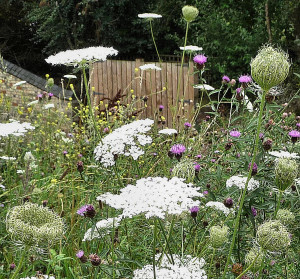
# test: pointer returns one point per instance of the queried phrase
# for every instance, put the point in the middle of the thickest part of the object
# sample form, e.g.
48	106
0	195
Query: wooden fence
160	87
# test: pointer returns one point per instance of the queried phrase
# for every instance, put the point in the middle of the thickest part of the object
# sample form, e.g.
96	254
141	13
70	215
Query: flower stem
160	61
248	268
278	204
237	220
20	264
154	247
211	262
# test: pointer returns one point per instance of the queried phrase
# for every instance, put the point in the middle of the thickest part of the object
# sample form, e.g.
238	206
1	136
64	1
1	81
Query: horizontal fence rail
158	87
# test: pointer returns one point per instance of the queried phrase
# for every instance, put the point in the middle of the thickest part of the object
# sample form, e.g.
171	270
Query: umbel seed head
184	169
250	257
270	67
218	236
286	171
285	217
273	236
189	13
34	225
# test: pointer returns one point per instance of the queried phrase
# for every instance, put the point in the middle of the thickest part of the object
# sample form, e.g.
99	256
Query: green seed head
270	67
218	236
286	171
285	217
189	13
34	225
273	236
184	169
50	82
254	254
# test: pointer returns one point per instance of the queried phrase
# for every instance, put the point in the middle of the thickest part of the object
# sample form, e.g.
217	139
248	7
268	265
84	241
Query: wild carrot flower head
189	13
218	236
184	169
286	171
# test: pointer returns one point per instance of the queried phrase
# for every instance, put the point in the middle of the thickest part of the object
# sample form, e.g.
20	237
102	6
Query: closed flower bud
80	166
50	82
189	13
228	202
267	145
273	236
95	259
12	266
270	67
285	217
286	171
218	236
250	257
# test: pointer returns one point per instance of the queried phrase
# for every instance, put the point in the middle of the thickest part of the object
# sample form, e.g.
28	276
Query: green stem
160	61
211	262
278	204
20	264
154	248
167	239
261	266
237	220
248	268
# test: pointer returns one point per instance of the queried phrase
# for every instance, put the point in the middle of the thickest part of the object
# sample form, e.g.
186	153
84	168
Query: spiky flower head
286	171
184	169
285	217
34	225
270	67
254	252
218	236
189	13
273	236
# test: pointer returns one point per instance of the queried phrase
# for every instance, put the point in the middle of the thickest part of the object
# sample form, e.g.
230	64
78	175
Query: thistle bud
270	67
250	257
286	171
285	217
273	236
190	13
95	259
80	166
267	145
218	236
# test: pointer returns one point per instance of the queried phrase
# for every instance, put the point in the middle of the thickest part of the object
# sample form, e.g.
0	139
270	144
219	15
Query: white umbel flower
240	181
102	228
78	56
33	103
191	48
8	158
149	16
219	206
284	154
125	140
49	106
168	132
150	67
183	268
14	128
19	83
204	87
154	196
70	76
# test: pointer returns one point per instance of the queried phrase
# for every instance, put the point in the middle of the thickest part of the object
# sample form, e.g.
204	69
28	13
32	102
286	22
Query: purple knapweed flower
238	155
225	79
197	167
199	156
65	152
200	59
228	202
194	211
245	79
294	135
79	254
187	125
254	211
161	107
235	134
87	211
298	125
177	150
205	192
213	160
254	168
106	130
261	136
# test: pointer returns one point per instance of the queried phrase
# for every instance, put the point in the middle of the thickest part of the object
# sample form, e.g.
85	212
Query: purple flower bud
194	211
254	168
205	192
187	125
228	202
161	107
12	266
254	211
95	259
235	134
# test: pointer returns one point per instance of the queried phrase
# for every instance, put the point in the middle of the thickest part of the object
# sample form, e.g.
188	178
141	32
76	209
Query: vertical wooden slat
169	93
114	77
138	88
153	92
104	74
128	81
158	81
109	79
164	94
175	97
148	92
94	83
119	76
124	80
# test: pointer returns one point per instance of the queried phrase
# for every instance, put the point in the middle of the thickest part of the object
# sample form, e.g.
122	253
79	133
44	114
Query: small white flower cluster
149	67
154	196
102	228
48	106
219	206
8	158
33	103
204	87
39	277
149	15
191	48
14	128
284	154
187	268
124	141
30	160
168	132
75	57
240	181
19	83
2	187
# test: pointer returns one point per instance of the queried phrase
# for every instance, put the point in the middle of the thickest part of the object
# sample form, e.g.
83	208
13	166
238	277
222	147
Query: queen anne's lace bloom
14	128
149	67
124	141
149	16
284	154
240	182
168	131
48	106
191	48
154	196
77	56
8	158
204	87
219	206
187	268
102	228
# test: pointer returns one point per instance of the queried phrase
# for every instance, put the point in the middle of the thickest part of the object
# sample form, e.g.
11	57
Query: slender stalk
154	247
211	262
248	268
150	21
237	220
20	264
261	266
278	203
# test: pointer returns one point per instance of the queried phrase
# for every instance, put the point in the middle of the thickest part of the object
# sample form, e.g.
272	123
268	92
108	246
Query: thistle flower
286	171
87	211
189	13
250	257
218	236
187	125
294	135
267	145
228	202
161	107
95	259
225	79
244	80
285	217
235	134
184	169
270	67
254	168
34	225
194	211
177	150
273	236
80	255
